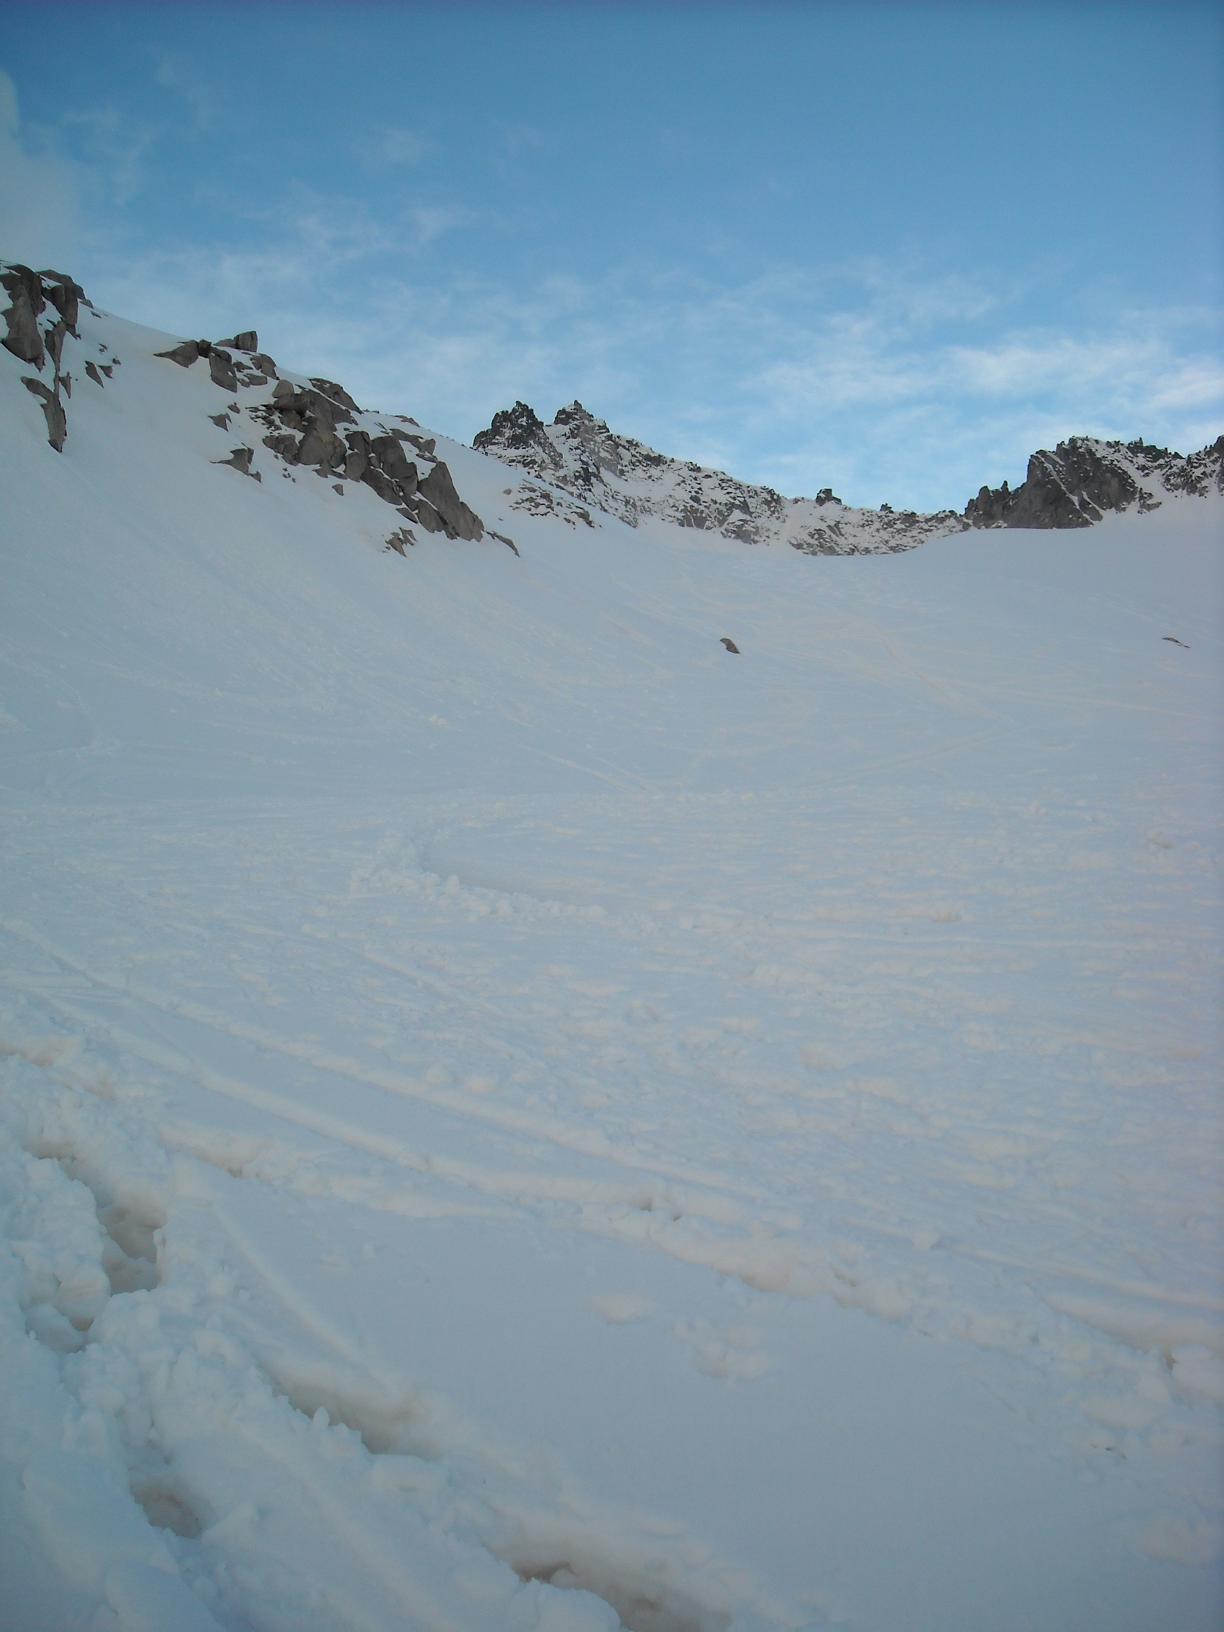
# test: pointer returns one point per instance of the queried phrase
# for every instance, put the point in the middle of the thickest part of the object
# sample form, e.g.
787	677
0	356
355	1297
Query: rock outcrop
317	426
24	337
1084	479
312	425
42	311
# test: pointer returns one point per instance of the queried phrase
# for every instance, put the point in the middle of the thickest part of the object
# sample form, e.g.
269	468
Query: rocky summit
597	469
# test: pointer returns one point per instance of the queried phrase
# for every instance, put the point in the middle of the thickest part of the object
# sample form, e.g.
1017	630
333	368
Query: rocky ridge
578	465
311	424
595	469
1084	479
575	469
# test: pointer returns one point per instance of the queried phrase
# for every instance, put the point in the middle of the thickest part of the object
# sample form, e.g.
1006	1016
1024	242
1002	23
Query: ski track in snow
510	1119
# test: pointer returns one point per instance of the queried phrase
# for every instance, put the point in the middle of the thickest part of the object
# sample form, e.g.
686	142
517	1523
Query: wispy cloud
393	147
429	222
204	100
114	147
39	195
897	380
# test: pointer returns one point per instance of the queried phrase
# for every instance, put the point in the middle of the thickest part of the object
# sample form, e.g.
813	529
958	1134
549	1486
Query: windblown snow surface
516	1119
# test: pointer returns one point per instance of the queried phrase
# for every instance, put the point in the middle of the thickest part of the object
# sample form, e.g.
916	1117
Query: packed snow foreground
516	1119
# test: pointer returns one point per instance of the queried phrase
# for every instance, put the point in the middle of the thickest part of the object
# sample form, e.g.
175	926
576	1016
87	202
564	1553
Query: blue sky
887	250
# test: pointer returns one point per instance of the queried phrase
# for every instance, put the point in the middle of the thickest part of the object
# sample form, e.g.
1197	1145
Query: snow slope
512	1117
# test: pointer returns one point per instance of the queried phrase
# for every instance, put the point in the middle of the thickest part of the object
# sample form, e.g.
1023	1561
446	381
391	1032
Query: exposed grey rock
392	458
1084	479
53	411
91	369
248	340
220	420
337	393
321	446
66	381
304	429
24	337
310	405
240	460
284	444
438	490
184	354
359	456
221	368
383	485
730	644
519	430
502	539
65	294
55	337
400	538
430	519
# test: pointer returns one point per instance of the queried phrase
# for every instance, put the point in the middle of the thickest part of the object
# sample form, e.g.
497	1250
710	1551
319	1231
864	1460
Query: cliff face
1084	479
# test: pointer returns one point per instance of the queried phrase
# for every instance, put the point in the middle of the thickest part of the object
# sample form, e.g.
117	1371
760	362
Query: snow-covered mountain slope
512	1116
623	478
1081	481
266	422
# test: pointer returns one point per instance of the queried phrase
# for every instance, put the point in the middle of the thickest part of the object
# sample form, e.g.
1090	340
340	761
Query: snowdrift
512	1116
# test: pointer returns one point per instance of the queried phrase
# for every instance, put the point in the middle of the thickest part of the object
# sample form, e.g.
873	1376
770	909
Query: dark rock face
308	426
336	393
519	430
222	370
66	296
248	340
240	460
388	453
184	354
457	520
24	338
730	645
53	411
1083	480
